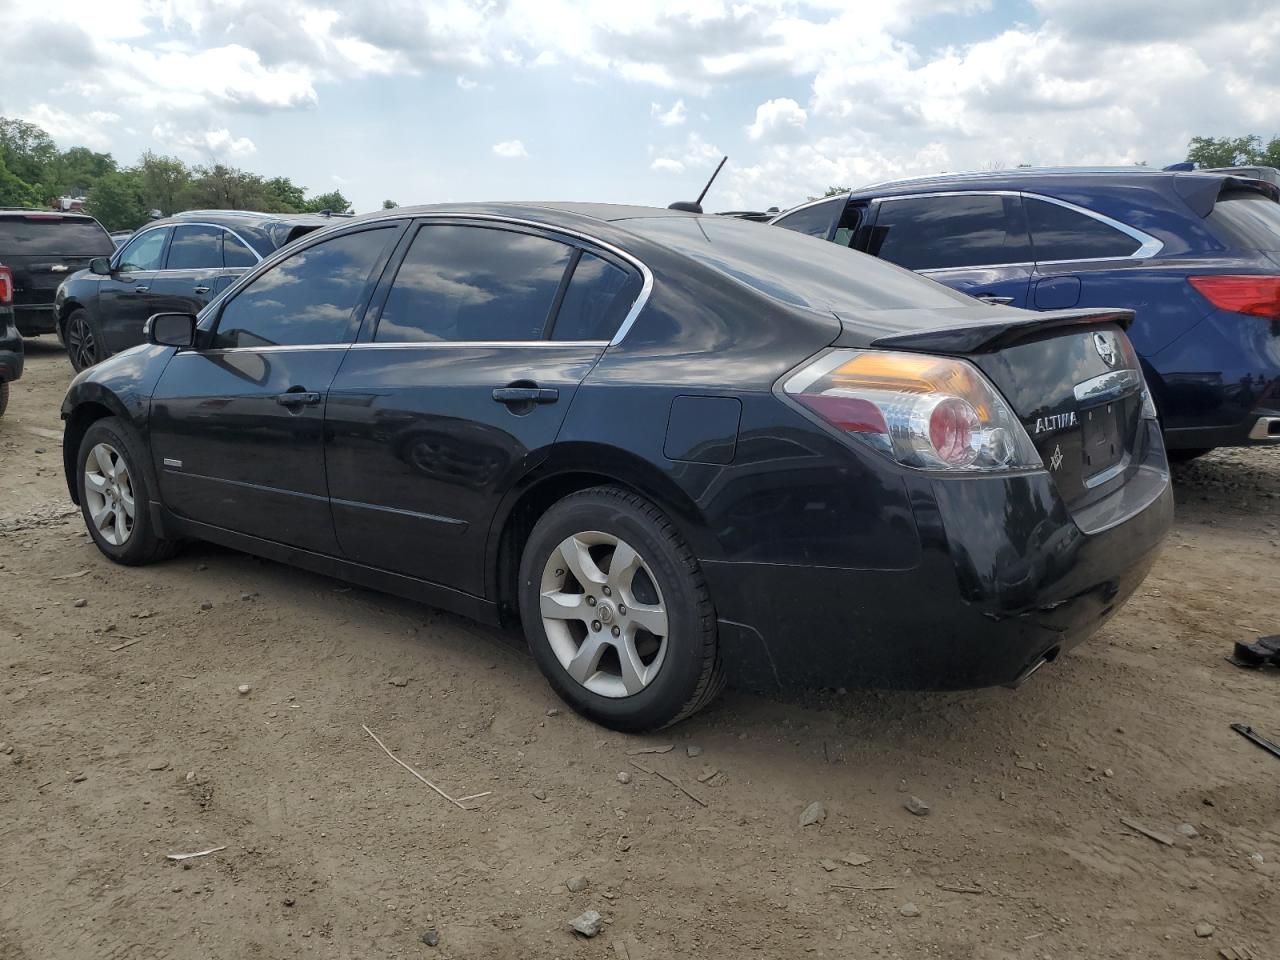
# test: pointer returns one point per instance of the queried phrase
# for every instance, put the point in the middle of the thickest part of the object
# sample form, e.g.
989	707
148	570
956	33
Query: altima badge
1059	421
1056	460
1108	347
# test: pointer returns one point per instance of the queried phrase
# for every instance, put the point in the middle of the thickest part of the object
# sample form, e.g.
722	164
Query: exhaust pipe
1047	657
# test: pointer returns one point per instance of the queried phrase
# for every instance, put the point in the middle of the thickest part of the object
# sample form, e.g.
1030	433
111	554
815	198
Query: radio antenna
695	206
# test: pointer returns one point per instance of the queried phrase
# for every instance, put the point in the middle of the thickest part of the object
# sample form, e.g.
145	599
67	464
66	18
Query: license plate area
1102	439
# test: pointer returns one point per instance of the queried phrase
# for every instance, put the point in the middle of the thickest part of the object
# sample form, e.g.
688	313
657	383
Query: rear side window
1060	233
595	301
814	221
964	230
144	252
473	283
235	253
1245	218
308	298
37	235
195	247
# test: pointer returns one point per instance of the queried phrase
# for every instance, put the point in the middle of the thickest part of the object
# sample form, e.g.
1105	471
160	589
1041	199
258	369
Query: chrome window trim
810	203
273	348
435	344
195	223
1148	247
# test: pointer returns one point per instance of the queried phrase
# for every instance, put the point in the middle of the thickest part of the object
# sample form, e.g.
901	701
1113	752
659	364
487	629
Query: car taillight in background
6	287
1254	295
935	413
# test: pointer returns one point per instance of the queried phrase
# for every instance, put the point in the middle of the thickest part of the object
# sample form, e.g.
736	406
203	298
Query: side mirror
101	266
171	329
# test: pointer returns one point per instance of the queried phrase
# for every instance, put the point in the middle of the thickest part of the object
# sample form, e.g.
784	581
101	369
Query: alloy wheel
108	491
80	343
604	614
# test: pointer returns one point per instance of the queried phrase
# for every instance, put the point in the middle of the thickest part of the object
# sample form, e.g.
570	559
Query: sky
635	101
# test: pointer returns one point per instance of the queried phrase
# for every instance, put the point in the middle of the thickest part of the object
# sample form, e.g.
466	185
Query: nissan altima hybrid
675	450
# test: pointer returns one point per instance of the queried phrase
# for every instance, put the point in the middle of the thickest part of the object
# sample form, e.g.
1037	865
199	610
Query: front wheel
114	482
84	345
4	396
617	611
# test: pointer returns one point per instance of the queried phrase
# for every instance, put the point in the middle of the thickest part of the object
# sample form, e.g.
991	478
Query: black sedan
676	449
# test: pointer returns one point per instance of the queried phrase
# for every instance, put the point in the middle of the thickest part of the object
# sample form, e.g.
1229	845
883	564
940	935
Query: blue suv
1196	255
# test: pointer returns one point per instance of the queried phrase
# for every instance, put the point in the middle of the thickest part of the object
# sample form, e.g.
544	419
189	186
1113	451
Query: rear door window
144	252
1060	233
1245	218
595	303
461	283
814	221
942	232
308	298
42	235
235	253
195	247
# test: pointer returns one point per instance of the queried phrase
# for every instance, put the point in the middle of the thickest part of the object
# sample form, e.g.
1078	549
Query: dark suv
1196	255
40	248
178	264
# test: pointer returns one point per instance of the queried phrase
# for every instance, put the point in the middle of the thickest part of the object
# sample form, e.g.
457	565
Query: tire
83	340
126	539
674	674
4	396
1188	454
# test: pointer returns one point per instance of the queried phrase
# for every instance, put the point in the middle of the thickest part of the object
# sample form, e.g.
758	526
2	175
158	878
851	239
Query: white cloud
91	129
510	149
673	117
465	83
666	165
781	119
218	144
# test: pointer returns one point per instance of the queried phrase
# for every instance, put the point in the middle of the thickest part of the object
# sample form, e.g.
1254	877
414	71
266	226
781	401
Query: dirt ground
125	739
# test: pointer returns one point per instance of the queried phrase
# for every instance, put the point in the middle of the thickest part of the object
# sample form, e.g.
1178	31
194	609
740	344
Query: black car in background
178	263
11	353
41	248
675	448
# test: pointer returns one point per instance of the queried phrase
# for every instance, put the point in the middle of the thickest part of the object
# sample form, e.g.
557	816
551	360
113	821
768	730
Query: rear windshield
794	268
53	236
1247	219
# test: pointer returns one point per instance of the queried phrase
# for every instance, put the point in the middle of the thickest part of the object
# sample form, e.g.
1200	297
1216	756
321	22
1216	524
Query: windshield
54	236
799	270
1247	219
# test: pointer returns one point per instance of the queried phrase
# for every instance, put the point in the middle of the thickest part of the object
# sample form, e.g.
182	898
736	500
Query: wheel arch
576	467
79	418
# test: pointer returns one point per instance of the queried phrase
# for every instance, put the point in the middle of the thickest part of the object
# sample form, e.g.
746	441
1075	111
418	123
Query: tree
389	205
75	171
116	200
1245	151
26	150
285	195
164	182
836	191
14	191
334	202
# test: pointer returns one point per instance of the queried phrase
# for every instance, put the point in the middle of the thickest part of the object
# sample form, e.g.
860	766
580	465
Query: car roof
1028	177
44	214
247	218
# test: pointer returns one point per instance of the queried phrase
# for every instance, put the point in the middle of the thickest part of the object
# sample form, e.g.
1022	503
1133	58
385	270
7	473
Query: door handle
526	394
992	298
141	289
298	398
201	289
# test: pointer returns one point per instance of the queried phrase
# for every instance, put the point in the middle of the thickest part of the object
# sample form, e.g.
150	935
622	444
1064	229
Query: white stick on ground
188	856
456	803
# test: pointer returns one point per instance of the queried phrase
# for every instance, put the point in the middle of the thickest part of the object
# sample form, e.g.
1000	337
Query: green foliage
835	191
164	182
333	201
116	200
389	205
14	192
26	150
285	195
74	172
1234	151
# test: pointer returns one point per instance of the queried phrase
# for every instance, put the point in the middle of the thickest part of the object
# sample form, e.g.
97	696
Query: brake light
6	286
935	413
1254	295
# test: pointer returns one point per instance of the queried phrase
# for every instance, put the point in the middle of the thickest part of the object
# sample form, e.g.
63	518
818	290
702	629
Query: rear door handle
141	289
526	394
992	298
298	398
201	289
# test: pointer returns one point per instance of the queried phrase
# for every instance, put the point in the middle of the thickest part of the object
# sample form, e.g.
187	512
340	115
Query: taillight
1256	296
935	413
6	286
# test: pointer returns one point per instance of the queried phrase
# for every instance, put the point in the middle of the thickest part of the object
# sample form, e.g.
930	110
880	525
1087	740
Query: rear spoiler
987	335
1202	190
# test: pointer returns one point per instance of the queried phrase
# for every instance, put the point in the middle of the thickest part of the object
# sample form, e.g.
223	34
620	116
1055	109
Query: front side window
309	298
814	221
473	283
961	230
1060	233
195	247
144	251
594	303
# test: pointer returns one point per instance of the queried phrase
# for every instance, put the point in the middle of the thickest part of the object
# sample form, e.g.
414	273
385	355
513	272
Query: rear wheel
617	612
84	345
114	481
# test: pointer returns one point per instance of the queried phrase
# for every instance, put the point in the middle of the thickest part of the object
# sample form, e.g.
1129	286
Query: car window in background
1060	233
195	247
308	298
1247	219
964	230
37	235
814	221
144	252
473	283
850	220
594	305
235	253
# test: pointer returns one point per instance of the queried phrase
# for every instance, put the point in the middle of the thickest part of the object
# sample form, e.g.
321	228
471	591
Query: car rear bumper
36	318
1007	578
1260	427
